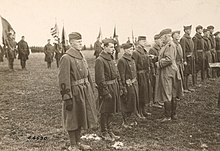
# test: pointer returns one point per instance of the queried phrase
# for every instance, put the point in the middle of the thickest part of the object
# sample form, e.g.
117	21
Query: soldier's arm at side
183	45
100	78
64	78
121	69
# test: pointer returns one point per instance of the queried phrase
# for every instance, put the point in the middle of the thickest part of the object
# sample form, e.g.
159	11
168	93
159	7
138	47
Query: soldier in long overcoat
213	49
179	63
128	75
168	76
217	40
154	53
11	50
199	52
188	57
142	61
58	52
76	87
207	50
23	52
107	79
97	47
49	53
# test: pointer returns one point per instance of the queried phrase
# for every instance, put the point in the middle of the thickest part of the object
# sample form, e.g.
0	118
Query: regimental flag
6	29
64	40
100	33
55	32
114	34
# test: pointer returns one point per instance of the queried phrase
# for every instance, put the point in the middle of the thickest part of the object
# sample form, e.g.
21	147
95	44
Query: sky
35	18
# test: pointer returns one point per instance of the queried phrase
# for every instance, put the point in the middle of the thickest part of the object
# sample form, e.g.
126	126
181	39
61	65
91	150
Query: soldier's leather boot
103	124
173	109
109	128
167	112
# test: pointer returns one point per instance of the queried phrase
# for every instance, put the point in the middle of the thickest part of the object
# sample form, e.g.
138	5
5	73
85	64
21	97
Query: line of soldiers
12	48
143	77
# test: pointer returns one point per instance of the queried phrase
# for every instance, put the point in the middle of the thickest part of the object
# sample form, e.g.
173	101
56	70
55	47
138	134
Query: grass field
30	105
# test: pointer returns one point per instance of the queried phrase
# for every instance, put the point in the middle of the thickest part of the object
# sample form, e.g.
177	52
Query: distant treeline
38	49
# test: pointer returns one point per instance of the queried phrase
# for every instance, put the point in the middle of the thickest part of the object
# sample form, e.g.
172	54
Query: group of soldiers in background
59	49
12	48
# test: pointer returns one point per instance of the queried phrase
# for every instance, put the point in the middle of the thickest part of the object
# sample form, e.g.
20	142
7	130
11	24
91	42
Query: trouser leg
173	108
72	137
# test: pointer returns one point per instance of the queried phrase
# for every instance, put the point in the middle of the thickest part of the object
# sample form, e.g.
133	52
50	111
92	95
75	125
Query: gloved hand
107	96
69	104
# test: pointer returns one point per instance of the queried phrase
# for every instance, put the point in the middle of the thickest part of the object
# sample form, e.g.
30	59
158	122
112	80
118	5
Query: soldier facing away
108	82
76	88
23	52
49	53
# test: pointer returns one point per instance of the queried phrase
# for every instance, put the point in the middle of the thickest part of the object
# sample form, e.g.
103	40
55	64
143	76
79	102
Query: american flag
55	32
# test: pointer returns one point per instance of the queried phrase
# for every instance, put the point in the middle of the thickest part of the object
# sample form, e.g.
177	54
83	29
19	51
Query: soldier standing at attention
76	88
58	52
108	81
199	52
49	53
154	52
97	47
217	40
128	75
23	52
213	50
142	62
11	51
188	58
179	63
168	76
207	50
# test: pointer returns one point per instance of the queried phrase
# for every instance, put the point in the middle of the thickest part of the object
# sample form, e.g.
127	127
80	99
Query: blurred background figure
49	53
23	52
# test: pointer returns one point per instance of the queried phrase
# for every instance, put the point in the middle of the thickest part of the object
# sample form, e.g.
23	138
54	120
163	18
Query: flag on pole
55	32
100	33
6	29
114	34
132	36
63	40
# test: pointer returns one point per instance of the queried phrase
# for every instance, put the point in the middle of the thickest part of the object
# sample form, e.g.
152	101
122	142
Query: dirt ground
30	105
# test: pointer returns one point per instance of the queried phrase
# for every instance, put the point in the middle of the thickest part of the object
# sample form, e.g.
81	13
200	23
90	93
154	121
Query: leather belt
129	82
81	81
110	82
141	71
199	50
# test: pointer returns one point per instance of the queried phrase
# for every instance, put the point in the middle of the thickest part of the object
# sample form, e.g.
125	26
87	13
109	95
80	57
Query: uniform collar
127	56
140	49
198	35
176	42
106	56
74	53
187	36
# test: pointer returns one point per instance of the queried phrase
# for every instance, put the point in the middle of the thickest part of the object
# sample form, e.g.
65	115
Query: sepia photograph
108	75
